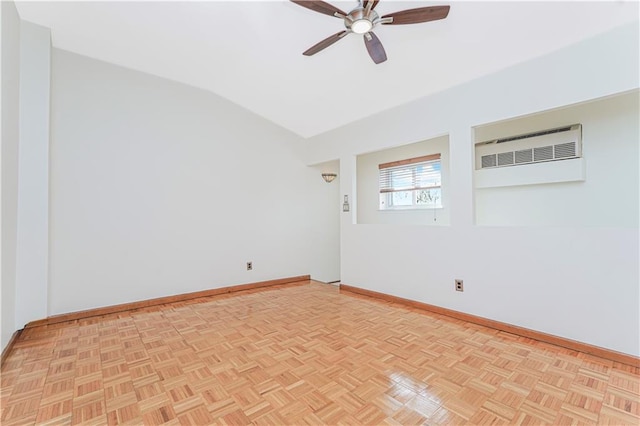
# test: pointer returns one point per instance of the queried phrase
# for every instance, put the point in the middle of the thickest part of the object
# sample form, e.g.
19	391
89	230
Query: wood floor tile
304	354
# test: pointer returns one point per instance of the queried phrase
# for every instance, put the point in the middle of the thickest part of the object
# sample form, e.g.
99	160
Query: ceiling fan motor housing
359	21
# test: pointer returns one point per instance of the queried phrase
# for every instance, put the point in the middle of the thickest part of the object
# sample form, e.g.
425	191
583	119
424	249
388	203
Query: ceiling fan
364	18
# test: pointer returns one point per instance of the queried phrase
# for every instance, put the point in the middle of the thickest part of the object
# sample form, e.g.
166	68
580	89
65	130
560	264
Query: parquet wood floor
303	354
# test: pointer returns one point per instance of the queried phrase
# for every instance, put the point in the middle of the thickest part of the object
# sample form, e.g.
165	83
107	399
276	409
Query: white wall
10	40
32	249
368	185
158	188
326	233
577	282
609	194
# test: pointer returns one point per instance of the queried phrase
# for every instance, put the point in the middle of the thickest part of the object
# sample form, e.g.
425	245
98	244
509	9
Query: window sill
411	209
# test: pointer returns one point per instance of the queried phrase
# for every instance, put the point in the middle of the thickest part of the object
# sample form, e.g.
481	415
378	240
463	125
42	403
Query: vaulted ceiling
250	52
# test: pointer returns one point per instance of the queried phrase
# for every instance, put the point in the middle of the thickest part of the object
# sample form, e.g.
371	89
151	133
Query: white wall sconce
329	177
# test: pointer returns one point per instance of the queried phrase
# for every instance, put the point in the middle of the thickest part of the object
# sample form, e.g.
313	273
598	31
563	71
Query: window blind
411	174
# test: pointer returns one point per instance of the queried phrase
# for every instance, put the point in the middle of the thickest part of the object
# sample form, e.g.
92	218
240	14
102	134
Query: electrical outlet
249	266
459	285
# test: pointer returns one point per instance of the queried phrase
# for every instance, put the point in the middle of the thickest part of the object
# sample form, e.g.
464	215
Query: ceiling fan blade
416	16
324	43
319	6
375	3
374	47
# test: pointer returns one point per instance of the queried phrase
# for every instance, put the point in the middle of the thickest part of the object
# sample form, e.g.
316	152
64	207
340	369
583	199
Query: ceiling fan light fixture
361	26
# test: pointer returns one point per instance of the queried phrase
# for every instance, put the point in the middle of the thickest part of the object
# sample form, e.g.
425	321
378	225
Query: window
414	183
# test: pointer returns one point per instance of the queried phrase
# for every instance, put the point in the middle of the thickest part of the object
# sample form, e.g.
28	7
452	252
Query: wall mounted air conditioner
531	159
548	145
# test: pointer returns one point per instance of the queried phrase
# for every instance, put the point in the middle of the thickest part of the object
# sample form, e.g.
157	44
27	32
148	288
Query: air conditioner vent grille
535	155
488	161
564	150
546	145
544	153
505	158
533	135
524	156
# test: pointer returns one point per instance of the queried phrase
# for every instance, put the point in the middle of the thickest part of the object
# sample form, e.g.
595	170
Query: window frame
410	167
